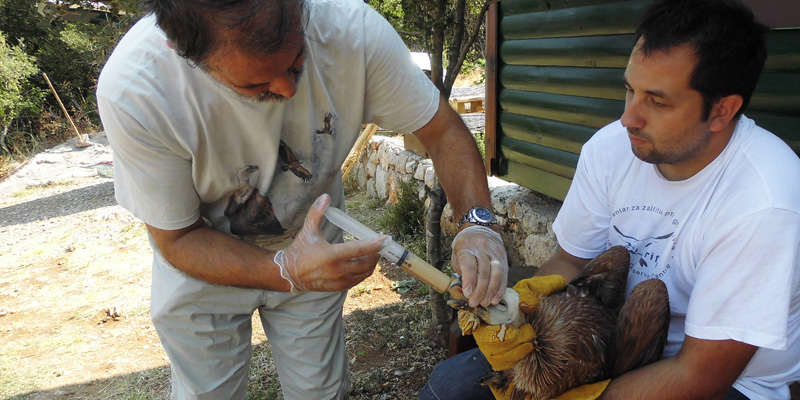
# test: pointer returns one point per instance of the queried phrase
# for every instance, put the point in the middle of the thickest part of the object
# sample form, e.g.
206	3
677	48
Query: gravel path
62	180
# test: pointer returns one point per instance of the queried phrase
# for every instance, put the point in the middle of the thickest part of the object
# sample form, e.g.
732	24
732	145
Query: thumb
314	215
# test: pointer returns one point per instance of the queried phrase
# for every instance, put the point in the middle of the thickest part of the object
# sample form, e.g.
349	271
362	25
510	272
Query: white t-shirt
186	146
725	242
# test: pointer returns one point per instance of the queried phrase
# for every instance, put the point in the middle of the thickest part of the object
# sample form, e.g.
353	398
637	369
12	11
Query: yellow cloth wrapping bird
505	345
586	392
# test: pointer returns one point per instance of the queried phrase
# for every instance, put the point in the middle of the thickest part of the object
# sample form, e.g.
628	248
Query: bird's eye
502	306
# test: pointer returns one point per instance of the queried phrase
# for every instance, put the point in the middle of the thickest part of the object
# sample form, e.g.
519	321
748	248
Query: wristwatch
478	215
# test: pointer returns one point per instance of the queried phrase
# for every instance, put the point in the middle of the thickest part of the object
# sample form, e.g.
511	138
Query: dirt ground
75	290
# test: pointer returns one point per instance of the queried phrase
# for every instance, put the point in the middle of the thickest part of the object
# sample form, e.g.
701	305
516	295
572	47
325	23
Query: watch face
483	215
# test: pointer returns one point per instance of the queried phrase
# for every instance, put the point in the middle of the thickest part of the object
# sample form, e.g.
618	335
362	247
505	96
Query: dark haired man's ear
723	112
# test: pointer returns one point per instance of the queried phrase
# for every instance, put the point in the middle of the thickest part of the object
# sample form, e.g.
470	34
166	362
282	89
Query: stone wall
526	217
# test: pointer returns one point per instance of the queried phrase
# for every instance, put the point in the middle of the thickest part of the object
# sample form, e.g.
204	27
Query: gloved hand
586	392
532	289
505	345
478	252
310	263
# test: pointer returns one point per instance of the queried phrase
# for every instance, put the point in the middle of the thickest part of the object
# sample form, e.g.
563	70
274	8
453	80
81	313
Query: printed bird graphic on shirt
641	247
326	125
250	212
290	163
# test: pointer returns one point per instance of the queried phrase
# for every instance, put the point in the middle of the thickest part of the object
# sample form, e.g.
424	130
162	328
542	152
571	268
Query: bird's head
505	312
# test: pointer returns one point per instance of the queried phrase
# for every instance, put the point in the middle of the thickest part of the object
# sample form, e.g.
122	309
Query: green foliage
480	141
15	69
405	220
70	53
17	96
407	216
417	22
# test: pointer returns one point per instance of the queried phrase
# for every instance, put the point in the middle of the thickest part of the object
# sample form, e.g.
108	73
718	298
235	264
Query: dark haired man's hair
728	42
198	28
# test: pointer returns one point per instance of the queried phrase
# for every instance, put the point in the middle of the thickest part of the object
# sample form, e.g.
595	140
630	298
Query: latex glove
480	259
586	392
531	290
310	263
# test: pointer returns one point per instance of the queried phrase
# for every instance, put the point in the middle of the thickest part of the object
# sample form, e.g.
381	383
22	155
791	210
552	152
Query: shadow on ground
59	205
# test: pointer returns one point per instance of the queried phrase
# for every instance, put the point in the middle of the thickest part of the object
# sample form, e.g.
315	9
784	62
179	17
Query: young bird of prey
589	332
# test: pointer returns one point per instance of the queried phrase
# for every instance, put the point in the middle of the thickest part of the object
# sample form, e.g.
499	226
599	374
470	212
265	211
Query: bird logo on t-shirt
642	247
326	125
290	163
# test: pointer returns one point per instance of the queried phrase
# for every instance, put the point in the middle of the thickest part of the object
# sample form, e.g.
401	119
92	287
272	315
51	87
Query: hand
503	345
310	263
586	392
531	290
480	259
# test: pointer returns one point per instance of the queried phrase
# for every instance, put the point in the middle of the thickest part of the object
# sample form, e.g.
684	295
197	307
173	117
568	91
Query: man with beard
703	198
230	120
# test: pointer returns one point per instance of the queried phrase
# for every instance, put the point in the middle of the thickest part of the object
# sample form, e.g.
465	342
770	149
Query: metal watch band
478	215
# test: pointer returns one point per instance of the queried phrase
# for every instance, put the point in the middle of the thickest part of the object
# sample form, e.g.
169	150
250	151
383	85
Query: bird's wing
301	172
641	332
284	152
604	277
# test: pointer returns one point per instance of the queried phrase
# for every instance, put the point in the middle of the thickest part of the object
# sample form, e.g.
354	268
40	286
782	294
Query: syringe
395	253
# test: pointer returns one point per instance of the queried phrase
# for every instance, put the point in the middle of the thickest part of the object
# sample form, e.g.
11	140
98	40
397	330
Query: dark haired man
228	118
704	200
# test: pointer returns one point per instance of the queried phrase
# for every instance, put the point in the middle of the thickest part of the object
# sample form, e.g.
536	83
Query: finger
469	267
314	217
364	264
347	274
359	248
482	283
498	282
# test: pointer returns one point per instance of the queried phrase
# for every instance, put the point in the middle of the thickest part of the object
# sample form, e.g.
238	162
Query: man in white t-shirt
704	200
230	121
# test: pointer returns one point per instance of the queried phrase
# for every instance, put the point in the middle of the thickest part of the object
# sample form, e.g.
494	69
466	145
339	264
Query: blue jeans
457	379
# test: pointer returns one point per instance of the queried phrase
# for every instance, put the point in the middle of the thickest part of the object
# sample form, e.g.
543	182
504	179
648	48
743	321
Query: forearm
702	369
664	379
221	259
456	159
562	263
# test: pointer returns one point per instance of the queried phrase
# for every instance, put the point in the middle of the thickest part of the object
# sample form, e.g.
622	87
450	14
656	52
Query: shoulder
768	164
338	18
142	54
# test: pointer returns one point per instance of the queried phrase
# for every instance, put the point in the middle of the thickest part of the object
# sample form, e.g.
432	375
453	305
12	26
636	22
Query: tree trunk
3	139
438	47
440	315
454	51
